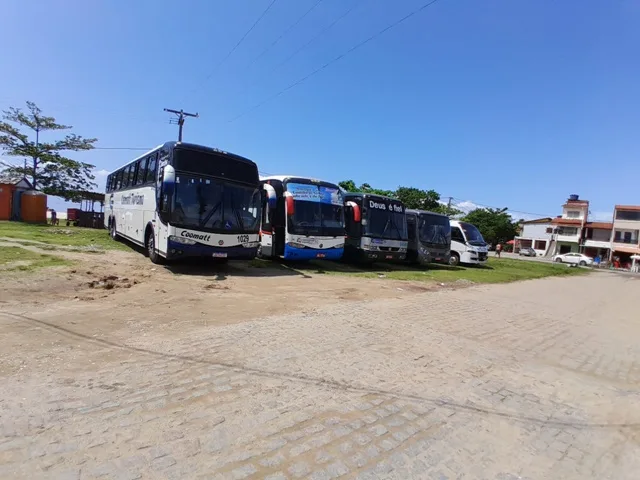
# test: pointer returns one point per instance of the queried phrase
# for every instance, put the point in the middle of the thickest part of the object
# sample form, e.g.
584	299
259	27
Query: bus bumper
377	256
291	253
178	250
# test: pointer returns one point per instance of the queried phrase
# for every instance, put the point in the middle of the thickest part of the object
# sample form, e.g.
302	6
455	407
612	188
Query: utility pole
180	120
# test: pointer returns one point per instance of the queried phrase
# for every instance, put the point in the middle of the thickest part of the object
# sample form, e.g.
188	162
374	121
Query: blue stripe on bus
291	253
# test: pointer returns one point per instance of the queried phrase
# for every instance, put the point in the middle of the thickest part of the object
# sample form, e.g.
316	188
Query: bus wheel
454	259
259	252
150	246
112	231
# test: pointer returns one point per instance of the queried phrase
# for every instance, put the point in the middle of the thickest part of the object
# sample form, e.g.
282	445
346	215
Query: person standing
498	250
54	217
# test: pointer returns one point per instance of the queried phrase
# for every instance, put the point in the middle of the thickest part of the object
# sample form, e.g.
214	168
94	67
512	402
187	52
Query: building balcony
597	243
568	238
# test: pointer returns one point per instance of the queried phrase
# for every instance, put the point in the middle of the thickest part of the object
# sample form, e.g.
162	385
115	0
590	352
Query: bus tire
454	259
150	247
113	233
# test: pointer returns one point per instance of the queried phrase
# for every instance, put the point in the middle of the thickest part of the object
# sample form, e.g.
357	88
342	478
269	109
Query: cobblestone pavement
524	381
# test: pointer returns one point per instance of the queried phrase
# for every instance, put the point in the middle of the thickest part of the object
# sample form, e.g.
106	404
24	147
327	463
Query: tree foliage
46	168
411	197
495	224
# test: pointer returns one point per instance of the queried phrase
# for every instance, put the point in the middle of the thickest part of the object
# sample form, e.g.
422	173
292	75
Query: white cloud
101	173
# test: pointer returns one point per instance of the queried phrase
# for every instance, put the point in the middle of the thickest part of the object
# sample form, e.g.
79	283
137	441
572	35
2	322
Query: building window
626	236
549	230
573	214
540	245
628	215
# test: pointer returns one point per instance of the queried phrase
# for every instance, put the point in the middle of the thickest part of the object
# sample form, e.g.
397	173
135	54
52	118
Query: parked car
573	258
527	252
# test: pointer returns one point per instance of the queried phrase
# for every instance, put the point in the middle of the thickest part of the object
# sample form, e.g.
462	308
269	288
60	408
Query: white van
467	244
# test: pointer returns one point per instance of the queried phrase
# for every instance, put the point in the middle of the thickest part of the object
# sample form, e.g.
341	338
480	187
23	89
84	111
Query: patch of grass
84	239
16	258
496	271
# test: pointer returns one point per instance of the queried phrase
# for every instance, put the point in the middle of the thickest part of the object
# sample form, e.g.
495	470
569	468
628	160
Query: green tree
411	197
415	198
348	185
495	224
43	162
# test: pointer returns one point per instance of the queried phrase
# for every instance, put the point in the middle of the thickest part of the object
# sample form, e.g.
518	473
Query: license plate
320	255
389	256
438	259
219	255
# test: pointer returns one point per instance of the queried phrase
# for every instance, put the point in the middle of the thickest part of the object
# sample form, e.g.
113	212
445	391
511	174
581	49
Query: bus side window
142	171
411	227
126	176
118	180
456	235
134	173
266	214
108	183
151	169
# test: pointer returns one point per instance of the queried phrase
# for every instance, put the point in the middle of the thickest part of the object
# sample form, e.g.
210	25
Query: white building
537	234
568	227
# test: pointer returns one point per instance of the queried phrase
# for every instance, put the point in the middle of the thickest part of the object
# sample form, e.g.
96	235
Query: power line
235	47
335	59
313	39
120	148
287	30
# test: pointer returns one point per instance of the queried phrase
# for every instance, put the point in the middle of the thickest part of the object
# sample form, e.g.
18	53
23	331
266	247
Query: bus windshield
386	224
434	230
472	234
318	210
205	203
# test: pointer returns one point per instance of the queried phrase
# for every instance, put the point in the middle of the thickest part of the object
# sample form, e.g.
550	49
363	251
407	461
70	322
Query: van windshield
473	235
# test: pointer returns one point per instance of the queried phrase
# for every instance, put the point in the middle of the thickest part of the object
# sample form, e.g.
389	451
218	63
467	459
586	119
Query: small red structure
73	214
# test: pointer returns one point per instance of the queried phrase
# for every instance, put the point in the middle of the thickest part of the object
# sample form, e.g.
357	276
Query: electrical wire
287	30
235	47
120	148
334	60
257	80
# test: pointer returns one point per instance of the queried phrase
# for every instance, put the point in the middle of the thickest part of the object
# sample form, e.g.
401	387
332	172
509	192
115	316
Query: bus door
279	227
269	202
413	247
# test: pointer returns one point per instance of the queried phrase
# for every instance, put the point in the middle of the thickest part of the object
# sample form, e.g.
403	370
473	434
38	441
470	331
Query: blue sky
496	102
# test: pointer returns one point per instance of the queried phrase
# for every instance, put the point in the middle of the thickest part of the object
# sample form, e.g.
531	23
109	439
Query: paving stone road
532	380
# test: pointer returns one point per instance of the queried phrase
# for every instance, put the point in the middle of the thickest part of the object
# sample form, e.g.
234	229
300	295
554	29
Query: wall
626	225
536	231
601	235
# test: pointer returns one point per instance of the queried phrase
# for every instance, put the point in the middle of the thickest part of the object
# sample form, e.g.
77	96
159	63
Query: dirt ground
122	294
116	368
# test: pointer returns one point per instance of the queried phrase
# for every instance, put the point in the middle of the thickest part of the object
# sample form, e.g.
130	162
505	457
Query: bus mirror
271	195
168	180
357	216
289	202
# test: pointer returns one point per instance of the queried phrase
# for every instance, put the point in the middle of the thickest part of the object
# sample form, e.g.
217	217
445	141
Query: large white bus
183	200
302	219
467	244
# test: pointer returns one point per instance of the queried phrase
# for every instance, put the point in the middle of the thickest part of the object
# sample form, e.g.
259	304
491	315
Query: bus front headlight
296	245
182	240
